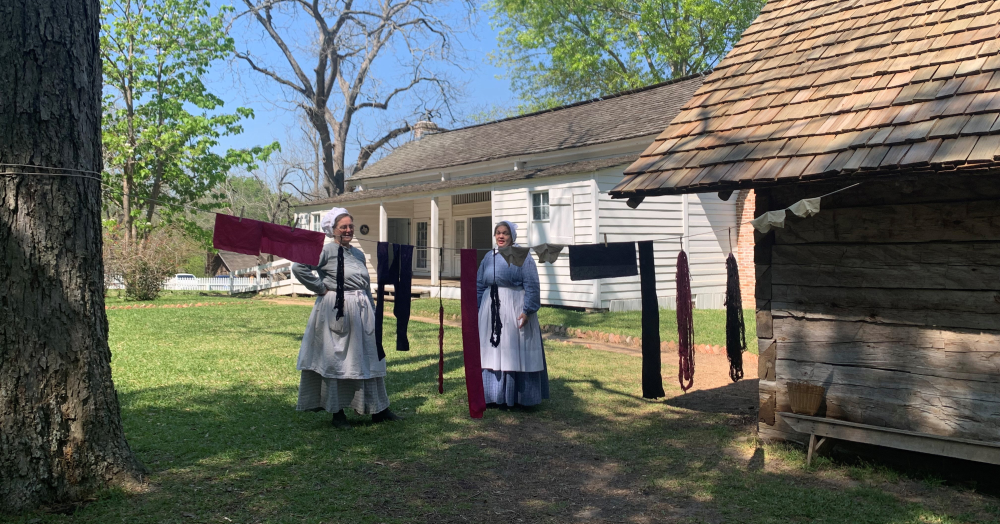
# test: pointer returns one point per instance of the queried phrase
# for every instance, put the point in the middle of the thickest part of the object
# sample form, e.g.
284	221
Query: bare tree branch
346	46
367	151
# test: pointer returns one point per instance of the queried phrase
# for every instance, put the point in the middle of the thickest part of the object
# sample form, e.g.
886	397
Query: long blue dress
514	373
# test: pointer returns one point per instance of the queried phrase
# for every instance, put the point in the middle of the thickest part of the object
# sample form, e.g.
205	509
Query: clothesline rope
148	199
98	173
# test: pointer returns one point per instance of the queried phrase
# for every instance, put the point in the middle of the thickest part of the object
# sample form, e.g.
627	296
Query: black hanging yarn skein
736	337
339	303
495	322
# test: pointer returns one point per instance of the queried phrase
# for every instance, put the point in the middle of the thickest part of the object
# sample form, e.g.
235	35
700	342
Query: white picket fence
236	285
272	275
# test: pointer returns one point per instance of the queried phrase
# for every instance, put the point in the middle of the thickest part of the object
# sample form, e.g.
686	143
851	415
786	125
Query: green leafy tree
562	51
161	124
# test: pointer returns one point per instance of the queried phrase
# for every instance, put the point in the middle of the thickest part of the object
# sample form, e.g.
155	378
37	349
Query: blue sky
274	120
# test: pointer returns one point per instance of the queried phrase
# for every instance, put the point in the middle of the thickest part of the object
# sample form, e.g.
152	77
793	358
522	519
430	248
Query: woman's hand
522	320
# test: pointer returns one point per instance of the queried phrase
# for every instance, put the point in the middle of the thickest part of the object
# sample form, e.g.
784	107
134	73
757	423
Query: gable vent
470	198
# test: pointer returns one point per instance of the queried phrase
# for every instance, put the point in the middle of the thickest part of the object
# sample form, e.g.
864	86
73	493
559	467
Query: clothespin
605	240
291	222
244	208
730	240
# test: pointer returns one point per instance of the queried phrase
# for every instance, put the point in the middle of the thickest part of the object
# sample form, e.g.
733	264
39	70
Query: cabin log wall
889	299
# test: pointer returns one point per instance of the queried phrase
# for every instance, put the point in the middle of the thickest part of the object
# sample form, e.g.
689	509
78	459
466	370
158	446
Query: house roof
834	89
584	166
236	261
626	115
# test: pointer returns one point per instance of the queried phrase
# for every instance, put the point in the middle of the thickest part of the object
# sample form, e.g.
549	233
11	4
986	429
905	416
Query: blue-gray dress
514	373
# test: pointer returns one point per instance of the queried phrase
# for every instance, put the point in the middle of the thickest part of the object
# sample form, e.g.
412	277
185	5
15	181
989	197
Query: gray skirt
365	396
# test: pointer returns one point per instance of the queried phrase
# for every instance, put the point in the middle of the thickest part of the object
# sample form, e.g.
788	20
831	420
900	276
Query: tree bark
61	436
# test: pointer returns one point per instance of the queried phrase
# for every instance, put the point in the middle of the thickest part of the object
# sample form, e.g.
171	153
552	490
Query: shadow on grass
594	452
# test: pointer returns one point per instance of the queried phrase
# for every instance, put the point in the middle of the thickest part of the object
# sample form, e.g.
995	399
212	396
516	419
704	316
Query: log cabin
889	298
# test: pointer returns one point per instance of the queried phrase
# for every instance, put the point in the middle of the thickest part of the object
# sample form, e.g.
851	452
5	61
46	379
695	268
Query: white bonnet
510	225
330	218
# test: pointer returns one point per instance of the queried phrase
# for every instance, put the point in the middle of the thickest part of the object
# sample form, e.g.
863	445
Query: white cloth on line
806	207
548	253
770	219
514	255
519	349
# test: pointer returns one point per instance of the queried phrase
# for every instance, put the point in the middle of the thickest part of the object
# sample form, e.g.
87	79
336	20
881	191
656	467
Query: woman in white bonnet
338	358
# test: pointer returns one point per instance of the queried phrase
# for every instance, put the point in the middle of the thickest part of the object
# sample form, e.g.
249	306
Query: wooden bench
975	450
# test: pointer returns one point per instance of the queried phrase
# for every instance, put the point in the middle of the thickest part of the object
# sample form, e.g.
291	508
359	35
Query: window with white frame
460	234
316	218
422	245
540	205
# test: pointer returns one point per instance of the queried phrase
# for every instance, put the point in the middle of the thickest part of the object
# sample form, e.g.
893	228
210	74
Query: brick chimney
424	127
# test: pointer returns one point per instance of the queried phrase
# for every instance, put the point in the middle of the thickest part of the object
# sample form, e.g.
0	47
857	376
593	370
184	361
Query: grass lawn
208	397
709	324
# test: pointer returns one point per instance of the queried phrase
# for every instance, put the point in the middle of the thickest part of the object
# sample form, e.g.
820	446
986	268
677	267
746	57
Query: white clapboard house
550	173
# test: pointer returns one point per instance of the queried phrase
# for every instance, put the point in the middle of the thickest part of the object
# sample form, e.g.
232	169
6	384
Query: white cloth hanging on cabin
765	222
806	207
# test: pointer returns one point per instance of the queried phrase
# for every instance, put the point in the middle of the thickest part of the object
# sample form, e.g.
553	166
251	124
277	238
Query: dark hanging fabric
238	235
339	304
382	275
440	335
470	335
652	380
592	261
401	298
685	323
496	324
736	337
298	245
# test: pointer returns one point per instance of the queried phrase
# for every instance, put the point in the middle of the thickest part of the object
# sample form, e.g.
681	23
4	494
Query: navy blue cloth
652	380
401	298
383	275
593	261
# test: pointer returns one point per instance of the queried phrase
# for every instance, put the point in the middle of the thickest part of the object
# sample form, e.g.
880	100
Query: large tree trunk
61	434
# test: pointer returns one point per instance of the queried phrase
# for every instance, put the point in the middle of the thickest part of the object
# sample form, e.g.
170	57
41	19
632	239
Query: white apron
344	348
519	349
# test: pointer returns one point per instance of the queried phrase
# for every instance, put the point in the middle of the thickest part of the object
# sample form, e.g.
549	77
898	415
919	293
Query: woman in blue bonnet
510	339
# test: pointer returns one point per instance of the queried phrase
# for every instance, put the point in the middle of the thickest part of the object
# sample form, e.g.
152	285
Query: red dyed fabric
239	236
470	336
298	245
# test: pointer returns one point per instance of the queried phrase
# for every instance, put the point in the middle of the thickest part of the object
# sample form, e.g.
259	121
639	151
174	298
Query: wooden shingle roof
835	88
632	114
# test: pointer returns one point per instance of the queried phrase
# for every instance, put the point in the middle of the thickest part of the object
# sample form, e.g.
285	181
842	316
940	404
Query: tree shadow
595	451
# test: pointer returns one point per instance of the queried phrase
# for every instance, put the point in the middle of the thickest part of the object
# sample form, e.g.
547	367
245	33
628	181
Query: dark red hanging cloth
298	245
236	234
685	323
470	336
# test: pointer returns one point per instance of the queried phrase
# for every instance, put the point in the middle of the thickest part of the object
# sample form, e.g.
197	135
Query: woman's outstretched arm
304	274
